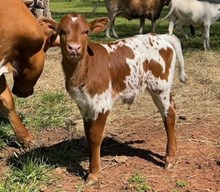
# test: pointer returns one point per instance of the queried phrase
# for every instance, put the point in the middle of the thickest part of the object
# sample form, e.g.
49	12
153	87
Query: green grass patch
138	183
46	110
6	134
181	184
27	175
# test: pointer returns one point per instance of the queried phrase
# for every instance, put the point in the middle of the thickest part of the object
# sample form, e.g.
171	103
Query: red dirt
139	149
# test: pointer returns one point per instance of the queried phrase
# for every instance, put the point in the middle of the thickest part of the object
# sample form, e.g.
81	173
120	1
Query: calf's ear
99	25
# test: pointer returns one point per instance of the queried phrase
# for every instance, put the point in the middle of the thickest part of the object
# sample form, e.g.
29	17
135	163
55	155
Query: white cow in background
195	12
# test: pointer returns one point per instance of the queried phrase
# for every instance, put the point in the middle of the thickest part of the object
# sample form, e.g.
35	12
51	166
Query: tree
41	12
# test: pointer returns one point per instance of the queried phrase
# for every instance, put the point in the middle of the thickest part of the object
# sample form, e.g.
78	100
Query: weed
181	183
28	175
139	183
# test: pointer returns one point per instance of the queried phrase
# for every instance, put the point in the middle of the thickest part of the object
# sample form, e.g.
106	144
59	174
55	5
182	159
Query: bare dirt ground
135	138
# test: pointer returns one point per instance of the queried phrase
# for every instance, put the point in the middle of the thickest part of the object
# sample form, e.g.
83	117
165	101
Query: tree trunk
45	12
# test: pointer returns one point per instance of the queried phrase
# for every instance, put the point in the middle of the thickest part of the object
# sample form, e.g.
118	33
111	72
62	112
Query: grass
181	184
50	110
138	183
27	175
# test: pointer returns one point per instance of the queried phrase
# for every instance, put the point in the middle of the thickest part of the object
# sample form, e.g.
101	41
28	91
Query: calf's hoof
170	162
169	165
91	179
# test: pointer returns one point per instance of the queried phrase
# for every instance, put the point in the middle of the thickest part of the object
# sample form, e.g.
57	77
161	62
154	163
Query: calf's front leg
8	107
94	135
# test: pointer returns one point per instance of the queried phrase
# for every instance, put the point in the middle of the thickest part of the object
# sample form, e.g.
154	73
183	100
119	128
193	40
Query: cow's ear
48	24
99	25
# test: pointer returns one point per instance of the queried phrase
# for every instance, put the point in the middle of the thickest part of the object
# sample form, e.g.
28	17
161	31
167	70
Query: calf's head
74	31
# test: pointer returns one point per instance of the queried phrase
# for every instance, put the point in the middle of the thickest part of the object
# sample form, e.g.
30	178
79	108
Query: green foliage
28	175
139	183
181	183
6	133
47	110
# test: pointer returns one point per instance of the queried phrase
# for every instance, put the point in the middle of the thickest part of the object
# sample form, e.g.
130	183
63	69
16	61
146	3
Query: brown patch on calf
103	67
119	69
97	70
156	68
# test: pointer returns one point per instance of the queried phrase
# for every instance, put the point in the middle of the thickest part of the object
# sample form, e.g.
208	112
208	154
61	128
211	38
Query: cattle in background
23	43
98	74
195	12
34	4
131	9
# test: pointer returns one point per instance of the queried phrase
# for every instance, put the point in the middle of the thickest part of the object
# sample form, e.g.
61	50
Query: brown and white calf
98	74
23	43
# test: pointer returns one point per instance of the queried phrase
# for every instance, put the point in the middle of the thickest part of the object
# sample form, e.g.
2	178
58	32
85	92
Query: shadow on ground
71	153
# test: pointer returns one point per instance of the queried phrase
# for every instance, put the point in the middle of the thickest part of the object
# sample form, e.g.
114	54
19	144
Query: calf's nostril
74	48
69	47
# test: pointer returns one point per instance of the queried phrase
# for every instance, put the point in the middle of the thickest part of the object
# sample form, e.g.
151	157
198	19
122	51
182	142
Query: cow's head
74	31
49	28
29	69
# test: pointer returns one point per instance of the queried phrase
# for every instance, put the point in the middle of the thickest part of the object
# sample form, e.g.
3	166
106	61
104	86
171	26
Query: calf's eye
86	32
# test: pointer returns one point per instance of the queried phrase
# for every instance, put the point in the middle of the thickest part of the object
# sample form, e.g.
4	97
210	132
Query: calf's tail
172	39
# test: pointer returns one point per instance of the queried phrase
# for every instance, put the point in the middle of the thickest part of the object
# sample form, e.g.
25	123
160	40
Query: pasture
134	144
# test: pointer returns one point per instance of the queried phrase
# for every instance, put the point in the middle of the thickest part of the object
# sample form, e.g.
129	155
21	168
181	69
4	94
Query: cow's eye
62	32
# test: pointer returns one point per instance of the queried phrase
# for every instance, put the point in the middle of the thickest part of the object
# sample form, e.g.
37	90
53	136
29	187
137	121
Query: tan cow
22	43
131	9
98	74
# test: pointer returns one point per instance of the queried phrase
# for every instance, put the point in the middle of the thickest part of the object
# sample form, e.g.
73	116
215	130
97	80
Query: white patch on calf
89	106
74	19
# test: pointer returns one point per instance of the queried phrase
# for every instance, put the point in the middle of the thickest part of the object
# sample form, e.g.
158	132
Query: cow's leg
206	35
192	30
94	134
166	106
8	107
172	22
111	26
179	27
142	23
153	25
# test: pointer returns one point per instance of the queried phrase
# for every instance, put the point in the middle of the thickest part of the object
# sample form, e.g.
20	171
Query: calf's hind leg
166	106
